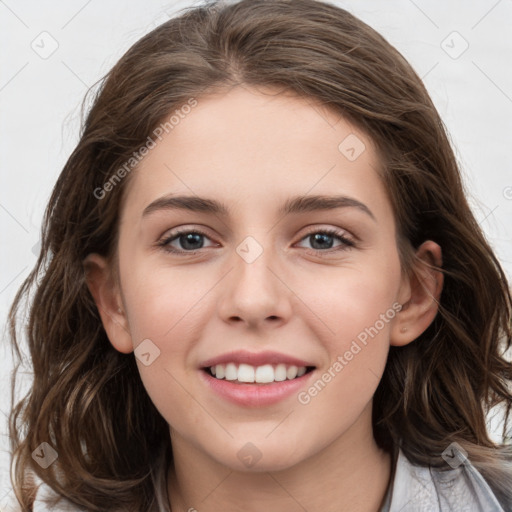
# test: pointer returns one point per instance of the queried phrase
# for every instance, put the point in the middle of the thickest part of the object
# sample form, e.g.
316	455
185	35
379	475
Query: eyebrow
294	205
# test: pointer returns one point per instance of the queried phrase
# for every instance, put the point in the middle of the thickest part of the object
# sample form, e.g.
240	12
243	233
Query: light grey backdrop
52	51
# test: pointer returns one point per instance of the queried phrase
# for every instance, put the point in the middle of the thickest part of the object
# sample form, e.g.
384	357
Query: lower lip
252	394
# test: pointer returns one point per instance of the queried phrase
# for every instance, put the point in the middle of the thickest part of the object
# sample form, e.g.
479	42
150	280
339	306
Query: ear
419	295
107	297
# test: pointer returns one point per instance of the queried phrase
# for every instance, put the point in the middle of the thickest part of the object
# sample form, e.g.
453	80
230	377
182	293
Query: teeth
245	373
264	374
231	371
291	372
280	372
260	374
219	371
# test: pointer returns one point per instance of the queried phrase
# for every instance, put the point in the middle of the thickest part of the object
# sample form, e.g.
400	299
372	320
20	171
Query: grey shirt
427	489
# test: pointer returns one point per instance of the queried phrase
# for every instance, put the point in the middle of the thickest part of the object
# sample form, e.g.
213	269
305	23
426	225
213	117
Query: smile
255	379
245	373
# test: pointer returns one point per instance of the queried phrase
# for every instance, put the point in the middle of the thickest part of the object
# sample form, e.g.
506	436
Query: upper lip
254	359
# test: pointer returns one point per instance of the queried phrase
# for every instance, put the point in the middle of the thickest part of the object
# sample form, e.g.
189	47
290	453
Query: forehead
257	145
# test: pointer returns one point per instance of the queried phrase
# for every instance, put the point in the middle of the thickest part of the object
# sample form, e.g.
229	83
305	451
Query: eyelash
346	243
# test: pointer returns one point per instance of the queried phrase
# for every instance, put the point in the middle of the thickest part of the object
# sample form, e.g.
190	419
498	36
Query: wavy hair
87	399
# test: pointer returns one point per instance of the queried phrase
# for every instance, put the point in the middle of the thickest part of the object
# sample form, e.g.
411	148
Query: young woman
261	286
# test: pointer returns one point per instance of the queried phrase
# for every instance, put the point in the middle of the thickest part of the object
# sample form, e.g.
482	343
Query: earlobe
420	295
108	301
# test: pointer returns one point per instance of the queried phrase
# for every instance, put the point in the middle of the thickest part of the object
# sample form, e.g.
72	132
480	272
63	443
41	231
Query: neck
350	474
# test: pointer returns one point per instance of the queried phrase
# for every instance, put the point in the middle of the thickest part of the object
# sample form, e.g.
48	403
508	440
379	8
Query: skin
252	150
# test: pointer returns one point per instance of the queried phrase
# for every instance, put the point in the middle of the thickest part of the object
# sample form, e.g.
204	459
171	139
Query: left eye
192	240
325	237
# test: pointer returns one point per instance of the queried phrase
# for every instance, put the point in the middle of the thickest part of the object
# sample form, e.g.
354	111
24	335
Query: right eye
189	239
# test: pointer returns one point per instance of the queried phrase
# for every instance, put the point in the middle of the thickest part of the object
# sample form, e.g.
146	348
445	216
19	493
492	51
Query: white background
40	100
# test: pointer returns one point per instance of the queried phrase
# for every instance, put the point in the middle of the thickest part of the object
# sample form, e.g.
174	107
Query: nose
255	292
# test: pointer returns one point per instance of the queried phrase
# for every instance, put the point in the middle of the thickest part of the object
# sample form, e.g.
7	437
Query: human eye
324	237
189	239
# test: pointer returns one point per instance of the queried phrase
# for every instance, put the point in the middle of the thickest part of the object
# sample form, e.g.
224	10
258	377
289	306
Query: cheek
360	320
165	311
163	302
354	309
351	299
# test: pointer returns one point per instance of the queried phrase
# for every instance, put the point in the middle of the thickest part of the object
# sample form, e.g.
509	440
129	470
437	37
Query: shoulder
428	489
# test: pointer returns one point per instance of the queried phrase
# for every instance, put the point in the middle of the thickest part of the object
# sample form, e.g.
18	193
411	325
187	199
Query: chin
257	457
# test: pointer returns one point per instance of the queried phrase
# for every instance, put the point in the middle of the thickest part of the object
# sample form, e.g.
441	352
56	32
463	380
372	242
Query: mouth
262	379
265	374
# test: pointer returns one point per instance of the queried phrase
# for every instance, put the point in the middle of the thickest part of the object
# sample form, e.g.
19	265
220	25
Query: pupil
319	237
189	238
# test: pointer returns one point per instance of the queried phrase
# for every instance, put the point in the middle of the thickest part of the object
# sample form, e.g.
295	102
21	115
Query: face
255	270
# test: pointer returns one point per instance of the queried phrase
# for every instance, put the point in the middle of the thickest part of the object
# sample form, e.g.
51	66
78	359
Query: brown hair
87	399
